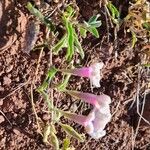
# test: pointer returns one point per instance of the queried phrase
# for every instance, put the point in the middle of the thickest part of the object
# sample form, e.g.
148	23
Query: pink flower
92	72
95	127
94	123
97	119
98	101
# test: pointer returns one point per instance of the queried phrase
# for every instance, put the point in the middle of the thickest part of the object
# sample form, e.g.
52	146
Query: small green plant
70	38
71	42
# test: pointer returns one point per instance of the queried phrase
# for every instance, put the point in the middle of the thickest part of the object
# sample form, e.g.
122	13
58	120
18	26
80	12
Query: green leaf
83	32
114	11
93	21
70	131
96	24
40	16
94	31
94	18
51	73
70	49
146	25
134	39
78	46
66	144
54	141
62	86
60	44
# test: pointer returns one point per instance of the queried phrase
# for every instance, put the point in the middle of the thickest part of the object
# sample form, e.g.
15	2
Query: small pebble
16	131
1	102
2	119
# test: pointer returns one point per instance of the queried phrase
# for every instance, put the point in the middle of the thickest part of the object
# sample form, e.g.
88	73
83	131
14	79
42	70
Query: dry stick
145	146
17	88
34	110
50	64
138	112
146	91
139	121
142	110
116	109
137	99
5	117
8	45
84	146
31	92
105	5
107	24
138	88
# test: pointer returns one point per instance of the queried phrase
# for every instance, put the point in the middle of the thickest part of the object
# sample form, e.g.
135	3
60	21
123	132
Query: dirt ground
121	78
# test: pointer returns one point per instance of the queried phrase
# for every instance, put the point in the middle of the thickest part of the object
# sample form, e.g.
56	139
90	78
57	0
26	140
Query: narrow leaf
70	49
60	44
46	133
93	21
62	86
78	46
54	141
94	31
114	11
93	18
51	73
70	131
96	24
